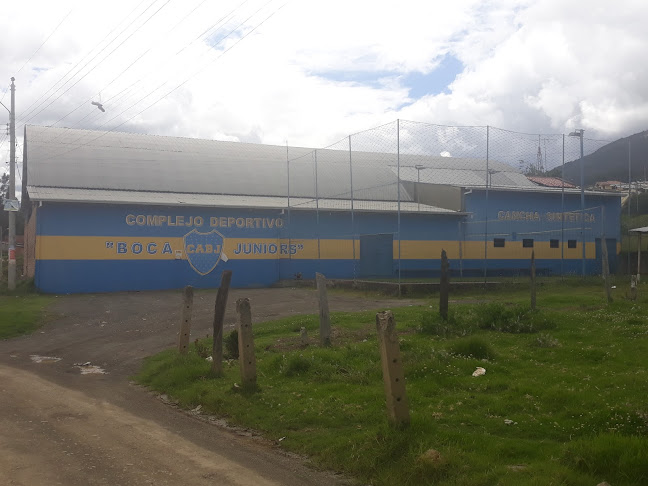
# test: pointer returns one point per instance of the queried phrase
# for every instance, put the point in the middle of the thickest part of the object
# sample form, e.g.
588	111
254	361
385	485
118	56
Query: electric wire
84	103
29	109
44	42
172	90
105	57
122	97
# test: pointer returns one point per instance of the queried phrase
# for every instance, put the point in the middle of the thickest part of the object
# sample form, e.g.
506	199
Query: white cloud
541	66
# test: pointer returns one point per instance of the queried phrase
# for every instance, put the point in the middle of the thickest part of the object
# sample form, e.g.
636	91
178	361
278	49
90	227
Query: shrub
433	324
620	459
297	365
231	345
545	341
514	319
473	347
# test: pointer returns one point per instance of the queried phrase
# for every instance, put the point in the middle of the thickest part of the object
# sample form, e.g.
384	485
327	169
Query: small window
554	244
498	242
527	243
571	243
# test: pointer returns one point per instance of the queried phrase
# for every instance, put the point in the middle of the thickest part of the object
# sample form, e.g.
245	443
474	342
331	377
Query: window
498	242
571	243
554	244
527	243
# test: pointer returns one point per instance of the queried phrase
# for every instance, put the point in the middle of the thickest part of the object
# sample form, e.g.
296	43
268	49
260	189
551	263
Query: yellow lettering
190	249
209	249
199	249
213	221
130	220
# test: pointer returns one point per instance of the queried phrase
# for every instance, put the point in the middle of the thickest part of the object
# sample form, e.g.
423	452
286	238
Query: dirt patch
115	332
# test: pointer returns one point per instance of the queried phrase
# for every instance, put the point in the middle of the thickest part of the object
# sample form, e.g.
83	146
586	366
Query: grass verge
21	314
562	400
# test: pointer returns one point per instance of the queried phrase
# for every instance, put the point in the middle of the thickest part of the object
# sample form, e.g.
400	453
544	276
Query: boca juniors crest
204	250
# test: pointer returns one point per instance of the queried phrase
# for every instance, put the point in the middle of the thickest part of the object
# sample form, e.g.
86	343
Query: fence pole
444	287
352	209
219	317
486	219
399	201
247	359
533	280
185	325
317	215
605	268
392	368
325	320
562	212
629	194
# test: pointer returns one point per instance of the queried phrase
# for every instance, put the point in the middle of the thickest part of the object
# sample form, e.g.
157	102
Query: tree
4	186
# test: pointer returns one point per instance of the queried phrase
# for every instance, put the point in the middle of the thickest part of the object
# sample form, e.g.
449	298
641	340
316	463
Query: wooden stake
533	280
247	360
325	319
444	287
219	317
392	367
605	267
185	325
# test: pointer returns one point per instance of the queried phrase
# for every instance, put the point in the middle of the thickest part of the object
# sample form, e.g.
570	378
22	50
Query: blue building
116	211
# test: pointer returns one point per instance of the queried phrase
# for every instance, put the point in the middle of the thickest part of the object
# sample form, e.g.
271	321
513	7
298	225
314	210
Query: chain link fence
383	203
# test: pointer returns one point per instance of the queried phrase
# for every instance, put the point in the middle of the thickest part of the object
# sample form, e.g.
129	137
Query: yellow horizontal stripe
159	248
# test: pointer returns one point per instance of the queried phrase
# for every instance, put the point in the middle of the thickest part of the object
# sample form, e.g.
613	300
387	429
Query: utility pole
11	267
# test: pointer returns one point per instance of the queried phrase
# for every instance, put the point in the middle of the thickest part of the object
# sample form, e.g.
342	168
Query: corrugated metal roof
550	182
63	194
461	172
63	157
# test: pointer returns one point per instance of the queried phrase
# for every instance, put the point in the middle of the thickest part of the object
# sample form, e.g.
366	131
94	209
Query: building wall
29	262
541	217
100	247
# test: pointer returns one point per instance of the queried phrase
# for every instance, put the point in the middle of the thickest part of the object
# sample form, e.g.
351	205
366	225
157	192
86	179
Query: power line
105	57
123	71
174	89
122	97
27	110
200	70
48	37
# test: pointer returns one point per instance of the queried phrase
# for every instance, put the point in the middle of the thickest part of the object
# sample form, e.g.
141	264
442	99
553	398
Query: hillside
610	162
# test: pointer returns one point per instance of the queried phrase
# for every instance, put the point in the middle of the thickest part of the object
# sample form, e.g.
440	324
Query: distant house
609	185
551	182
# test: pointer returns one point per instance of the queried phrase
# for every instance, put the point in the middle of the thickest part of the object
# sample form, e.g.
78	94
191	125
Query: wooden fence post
533	280
219	317
444	287
605	267
185	326
247	360
392	367
325	319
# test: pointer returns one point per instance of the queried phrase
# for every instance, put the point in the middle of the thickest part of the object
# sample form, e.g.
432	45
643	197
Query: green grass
21	314
572	377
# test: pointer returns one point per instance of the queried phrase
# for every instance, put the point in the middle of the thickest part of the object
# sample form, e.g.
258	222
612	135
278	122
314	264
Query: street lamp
579	133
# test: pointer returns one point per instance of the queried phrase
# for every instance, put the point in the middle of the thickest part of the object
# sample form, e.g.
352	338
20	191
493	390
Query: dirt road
59	426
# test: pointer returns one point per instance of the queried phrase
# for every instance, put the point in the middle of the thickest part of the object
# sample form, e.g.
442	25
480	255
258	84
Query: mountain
610	162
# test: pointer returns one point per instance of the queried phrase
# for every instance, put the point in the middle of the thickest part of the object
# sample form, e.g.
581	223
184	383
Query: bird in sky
98	105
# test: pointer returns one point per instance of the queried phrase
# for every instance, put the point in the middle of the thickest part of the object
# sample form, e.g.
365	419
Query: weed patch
562	400
21	314
473	347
